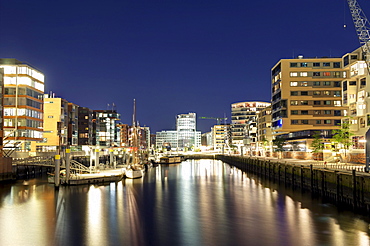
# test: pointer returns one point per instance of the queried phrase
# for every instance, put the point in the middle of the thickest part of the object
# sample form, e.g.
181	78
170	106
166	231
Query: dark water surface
202	202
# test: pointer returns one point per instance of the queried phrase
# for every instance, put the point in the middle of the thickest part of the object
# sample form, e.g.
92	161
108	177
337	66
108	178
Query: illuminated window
327	121
316	83
303	74
337	103
50	116
304	102
304	64
317	112
326	74
327	102
304	83
316	93
293	83
293	102
326	93
293	74
327	111
326	83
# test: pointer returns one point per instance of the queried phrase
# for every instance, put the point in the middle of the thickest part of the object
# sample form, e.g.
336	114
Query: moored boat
170	160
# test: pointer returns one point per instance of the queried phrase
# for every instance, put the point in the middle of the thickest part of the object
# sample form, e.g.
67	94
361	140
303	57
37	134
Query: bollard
57	171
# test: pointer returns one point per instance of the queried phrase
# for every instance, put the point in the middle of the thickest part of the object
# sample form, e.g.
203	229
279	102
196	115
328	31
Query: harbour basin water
198	202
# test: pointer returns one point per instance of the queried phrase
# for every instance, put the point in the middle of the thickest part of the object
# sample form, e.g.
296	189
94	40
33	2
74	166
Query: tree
343	136
317	145
278	144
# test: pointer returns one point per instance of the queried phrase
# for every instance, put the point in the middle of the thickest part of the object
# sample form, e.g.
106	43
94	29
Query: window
293	102
327	93
337	93
352	83
294	93
303	74
304	122
304	83
326	83
326	64
336	83
294	112
327	122
336	64
316	102
293	74
337	75
353	57
327	111
363	82
344	85
327	102
316	112
318	122
316	64
304	102
316	74
304	93
326	74
316	93
316	83
304	64
337	113
293	64
338	103
294	122
304	112
337	122
50	116
293	83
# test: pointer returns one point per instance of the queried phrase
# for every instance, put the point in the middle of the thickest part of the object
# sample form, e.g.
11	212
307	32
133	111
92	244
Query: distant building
264	136
206	139
221	136
23	105
72	137
187	134
124	134
166	139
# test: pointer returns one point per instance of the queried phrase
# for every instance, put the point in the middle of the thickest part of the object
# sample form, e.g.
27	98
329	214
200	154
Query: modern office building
72	135
107	130
306	98
166	139
1	112
187	134
243	121
85	126
23	105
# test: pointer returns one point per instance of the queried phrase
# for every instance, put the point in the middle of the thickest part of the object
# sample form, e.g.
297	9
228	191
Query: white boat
134	173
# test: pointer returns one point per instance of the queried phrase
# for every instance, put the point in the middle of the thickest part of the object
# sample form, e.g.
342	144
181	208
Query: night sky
172	56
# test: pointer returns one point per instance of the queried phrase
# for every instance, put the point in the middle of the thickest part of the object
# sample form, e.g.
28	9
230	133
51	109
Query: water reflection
195	203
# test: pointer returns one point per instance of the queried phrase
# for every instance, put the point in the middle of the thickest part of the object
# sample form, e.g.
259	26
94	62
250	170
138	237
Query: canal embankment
340	185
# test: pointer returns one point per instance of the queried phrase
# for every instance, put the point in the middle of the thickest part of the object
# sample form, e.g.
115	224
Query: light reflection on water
196	203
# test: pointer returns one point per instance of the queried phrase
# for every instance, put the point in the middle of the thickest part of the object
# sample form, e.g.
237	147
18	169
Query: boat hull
134	174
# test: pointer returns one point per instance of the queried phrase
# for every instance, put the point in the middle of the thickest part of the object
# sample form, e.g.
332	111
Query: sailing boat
135	169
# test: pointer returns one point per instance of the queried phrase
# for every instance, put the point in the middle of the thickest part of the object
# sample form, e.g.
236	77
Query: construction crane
213	118
362	29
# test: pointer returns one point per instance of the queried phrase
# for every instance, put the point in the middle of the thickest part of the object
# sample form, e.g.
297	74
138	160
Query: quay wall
349	188
6	170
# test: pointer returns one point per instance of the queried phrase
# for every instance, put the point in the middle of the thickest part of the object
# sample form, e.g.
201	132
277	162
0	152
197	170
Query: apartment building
23	105
306	98
356	96
244	121
264	135
56	120
221	136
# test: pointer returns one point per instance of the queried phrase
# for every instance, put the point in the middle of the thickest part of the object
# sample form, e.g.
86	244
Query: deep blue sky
172	56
